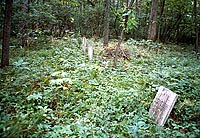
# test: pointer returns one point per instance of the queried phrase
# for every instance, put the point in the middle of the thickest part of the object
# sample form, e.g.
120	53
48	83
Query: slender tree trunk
122	33
196	27
116	18
24	34
25	9
162	4
6	34
137	7
153	16
137	33
172	27
29	2
106	24
118	47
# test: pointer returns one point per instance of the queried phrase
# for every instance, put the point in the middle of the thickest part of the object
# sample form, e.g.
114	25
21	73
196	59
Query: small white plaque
162	105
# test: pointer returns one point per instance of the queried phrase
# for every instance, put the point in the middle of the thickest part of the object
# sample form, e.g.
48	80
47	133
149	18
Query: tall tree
26	10
106	24
162	4
196	27
24	34
29	2
6	34
152	25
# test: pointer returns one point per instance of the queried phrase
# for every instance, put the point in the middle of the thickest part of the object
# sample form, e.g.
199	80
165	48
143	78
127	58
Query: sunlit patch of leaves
54	91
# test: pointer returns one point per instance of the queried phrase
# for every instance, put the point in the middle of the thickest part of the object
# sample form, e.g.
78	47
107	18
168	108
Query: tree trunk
24	33
162	5
122	33
137	33
116	18
6	34
171	27
106	24
29	2
196	27
153	16
137	8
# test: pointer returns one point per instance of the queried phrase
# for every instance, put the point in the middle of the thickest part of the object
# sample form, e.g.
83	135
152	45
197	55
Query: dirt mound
109	52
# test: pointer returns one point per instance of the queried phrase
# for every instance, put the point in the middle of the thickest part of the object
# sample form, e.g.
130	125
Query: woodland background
176	21
49	87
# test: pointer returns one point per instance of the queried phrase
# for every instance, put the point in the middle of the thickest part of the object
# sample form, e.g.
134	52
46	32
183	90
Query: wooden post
162	105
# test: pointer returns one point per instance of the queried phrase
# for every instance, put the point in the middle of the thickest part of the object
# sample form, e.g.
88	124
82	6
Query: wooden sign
162	105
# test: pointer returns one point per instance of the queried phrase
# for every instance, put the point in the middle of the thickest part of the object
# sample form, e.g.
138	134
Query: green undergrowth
54	91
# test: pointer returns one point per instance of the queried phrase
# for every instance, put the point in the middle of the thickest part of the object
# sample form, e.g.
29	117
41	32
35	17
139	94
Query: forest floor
55	91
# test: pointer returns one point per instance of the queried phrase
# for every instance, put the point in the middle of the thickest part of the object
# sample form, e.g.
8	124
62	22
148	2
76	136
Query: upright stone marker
90	51
84	41
162	105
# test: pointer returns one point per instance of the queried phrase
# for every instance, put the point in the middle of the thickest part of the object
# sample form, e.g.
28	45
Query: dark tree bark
6	34
137	7
162	5
137	10
106	24
24	33
173	26
116	18
196	27
25	9
153	16
29	2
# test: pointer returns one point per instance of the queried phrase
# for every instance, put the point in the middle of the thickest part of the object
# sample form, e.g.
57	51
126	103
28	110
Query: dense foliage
50	88
34	19
54	91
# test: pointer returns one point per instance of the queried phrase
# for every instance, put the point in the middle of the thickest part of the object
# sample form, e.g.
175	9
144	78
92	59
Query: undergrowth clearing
55	91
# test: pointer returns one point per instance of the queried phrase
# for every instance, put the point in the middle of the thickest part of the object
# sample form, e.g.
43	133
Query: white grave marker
84	44
162	105
90	52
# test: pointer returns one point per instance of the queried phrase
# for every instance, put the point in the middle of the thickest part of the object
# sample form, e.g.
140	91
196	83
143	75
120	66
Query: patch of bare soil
109	52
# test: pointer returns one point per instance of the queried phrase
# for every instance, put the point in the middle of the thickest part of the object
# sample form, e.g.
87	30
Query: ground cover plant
55	91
